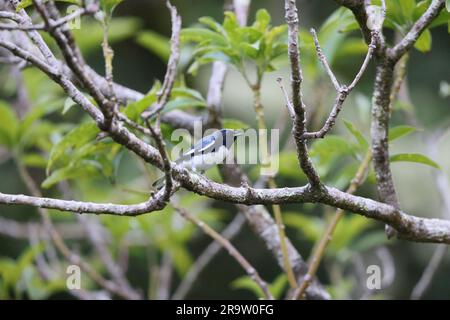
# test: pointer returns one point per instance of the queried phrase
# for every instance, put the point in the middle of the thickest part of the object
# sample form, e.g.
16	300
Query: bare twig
169	78
299	127
77	13
206	256
249	269
324	62
15	229
429	272
343	90
327	236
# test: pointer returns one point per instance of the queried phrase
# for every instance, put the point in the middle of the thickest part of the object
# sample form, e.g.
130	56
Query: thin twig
327	236
299	127
343	90
233	228
249	269
169	78
324	62
77	13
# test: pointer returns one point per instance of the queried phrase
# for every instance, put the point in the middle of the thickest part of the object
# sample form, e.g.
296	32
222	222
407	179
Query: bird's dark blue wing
201	146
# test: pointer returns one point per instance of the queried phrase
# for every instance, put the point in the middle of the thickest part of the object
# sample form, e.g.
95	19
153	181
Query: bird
206	153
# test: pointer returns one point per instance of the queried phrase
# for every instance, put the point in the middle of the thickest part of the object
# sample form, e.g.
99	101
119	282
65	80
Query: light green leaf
135	109
90	36
8	125
74	139
212	24
447	5
247	283
414	157
187	92
108	6
234	124
249	50
34	160
400	131
357	134
183	103
26	3
423	43
81	169
202	35
262	20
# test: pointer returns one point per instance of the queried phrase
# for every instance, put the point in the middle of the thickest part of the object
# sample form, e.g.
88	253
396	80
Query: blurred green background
357	241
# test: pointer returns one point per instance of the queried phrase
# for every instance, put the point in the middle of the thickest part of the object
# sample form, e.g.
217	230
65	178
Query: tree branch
419	26
299	127
249	269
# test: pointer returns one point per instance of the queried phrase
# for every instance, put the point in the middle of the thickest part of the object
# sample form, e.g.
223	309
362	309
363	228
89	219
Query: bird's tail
158	184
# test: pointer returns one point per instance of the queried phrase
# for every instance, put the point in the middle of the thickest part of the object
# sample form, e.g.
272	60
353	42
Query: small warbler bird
206	153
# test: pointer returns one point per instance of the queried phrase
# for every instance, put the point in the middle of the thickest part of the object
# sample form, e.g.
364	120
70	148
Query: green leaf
447	5
183	103
349	228
187	92
414	157
212	24
370	240
278	285
326	152
423	43
90	36
26	3
400	131
135	109
79	170
74	139
8	125
309	226
34	160
249	50
156	43
234	124
262	20
108	6
202	35
357	134
247	283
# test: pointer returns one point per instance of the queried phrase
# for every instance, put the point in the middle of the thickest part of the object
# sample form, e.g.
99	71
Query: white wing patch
203	162
194	149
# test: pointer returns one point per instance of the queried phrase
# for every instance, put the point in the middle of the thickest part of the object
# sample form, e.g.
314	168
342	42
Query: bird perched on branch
206	153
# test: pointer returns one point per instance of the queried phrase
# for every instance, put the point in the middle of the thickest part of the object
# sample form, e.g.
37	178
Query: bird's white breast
205	161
